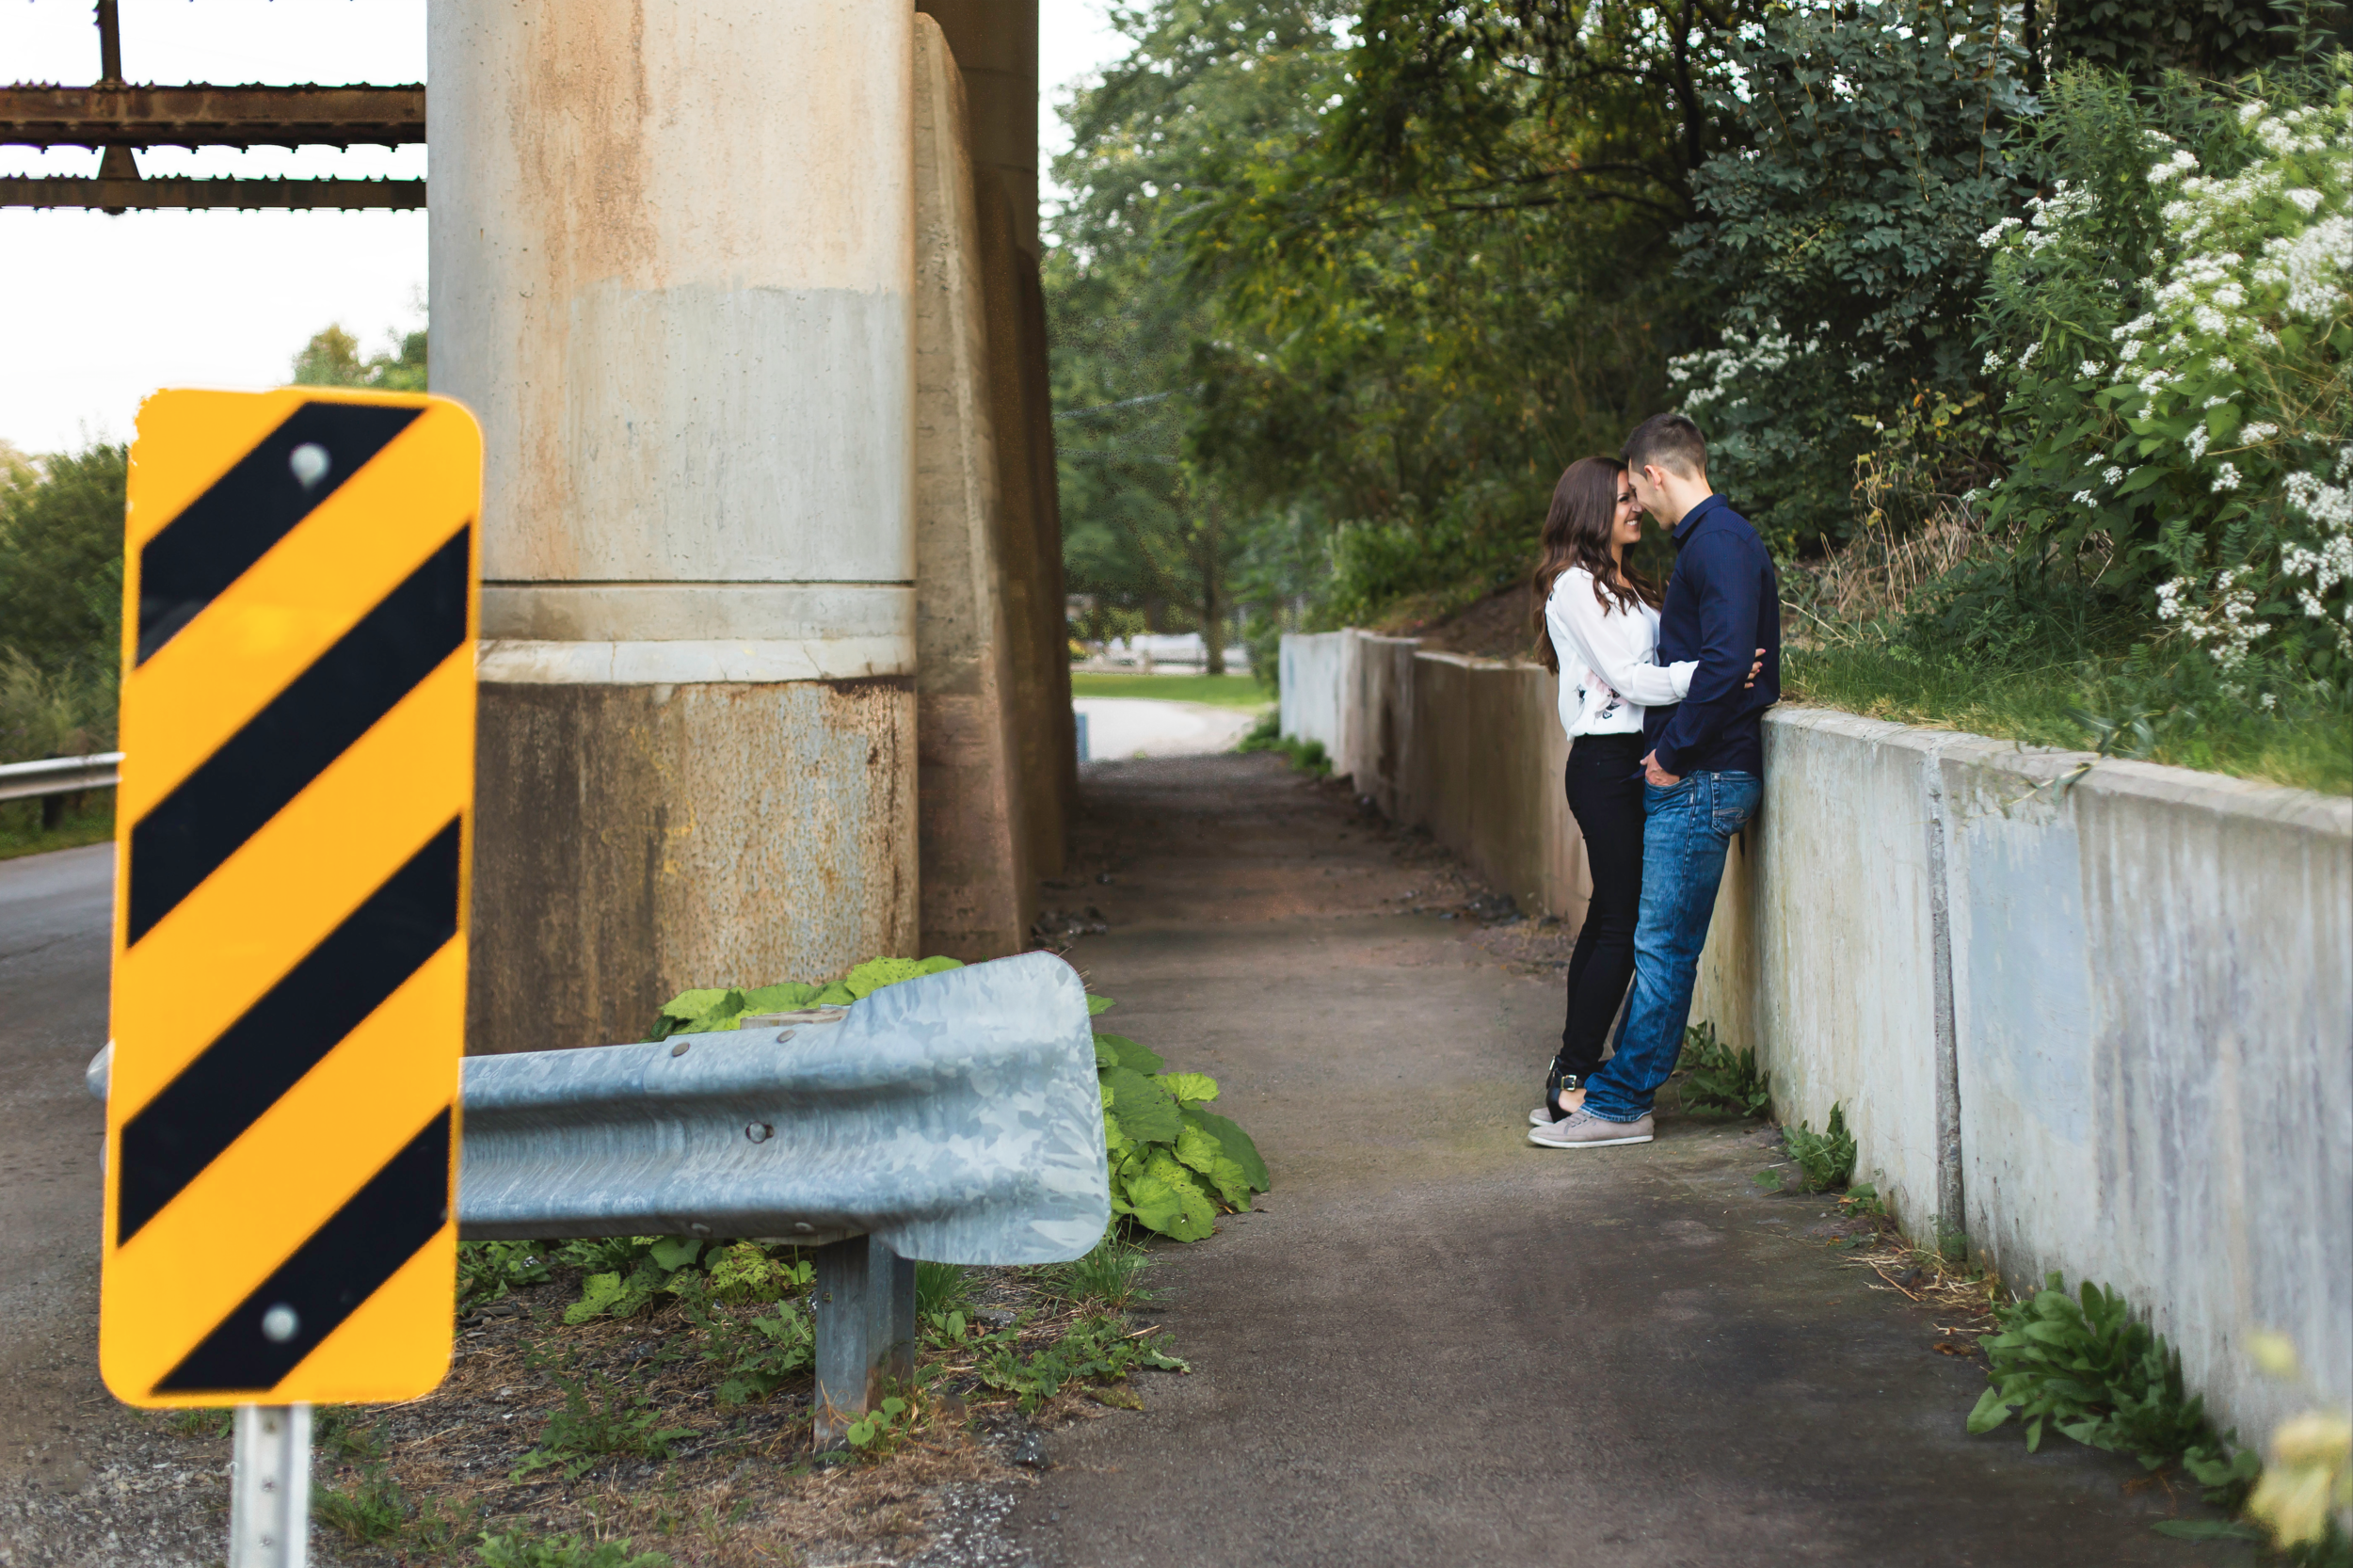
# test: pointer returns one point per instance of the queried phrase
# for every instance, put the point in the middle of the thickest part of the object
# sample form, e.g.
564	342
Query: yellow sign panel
290	897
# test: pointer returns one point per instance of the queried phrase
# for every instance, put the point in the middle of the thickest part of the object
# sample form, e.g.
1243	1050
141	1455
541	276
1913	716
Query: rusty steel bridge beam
114	195
115	115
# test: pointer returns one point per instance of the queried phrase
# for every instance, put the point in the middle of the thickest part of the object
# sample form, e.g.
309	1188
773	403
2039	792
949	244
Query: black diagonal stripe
249	509
306	727
287	1032
345	1262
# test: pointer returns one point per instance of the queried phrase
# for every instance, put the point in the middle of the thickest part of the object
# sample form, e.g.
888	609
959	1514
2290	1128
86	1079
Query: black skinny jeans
1605	790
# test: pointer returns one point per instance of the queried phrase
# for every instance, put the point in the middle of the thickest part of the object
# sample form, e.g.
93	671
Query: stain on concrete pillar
631	840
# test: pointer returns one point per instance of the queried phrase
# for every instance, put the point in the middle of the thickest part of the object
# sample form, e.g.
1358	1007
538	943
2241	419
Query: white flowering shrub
2178	353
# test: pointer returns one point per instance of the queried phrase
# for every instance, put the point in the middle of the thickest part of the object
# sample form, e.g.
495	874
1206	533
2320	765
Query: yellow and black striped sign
290	897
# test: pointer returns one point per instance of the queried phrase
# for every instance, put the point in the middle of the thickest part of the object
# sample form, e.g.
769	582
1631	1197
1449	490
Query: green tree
61	556
332	359
1380	274
1446	275
60	601
1841	240
1151	525
2213	39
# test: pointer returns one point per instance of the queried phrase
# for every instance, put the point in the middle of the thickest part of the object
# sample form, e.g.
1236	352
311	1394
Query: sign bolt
310	464
280	1323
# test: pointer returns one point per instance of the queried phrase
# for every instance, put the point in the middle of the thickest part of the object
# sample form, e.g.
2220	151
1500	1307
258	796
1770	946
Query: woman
1598	630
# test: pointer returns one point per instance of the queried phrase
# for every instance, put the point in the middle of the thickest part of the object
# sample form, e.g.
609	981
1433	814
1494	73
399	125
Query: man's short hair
1669	441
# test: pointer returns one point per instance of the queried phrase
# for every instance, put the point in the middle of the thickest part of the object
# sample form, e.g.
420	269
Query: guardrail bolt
682	1048
757	1131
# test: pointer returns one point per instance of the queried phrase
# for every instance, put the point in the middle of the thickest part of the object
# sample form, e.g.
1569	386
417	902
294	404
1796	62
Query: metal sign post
269	1487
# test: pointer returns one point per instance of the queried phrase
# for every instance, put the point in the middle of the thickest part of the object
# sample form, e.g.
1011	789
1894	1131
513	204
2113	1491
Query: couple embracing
1663	695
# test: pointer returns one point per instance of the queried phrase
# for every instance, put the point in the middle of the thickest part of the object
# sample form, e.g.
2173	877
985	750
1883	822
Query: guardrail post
892	1298
865	1300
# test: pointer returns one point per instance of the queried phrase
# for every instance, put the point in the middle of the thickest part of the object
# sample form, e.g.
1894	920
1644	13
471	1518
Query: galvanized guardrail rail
58	776
956	1118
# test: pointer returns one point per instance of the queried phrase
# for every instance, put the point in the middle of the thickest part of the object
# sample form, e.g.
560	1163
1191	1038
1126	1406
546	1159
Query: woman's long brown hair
1576	534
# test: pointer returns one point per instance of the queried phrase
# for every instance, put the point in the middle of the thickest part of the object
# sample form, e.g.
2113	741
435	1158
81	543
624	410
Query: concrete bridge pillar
995	46
672	262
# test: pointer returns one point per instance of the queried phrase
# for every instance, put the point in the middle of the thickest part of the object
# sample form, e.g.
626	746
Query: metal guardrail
956	1118
58	776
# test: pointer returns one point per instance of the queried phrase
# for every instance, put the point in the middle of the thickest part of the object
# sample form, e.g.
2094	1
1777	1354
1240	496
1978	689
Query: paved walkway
1439	1345
1130	727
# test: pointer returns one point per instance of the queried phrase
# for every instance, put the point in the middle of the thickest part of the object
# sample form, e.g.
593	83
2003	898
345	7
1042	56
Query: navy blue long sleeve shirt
1723	603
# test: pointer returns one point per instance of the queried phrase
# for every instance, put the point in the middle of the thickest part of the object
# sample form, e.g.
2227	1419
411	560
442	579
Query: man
1703	773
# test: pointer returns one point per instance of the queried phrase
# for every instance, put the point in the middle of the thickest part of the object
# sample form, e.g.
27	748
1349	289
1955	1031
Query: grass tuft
1825	1159
1111	1276
1713	1076
942	1287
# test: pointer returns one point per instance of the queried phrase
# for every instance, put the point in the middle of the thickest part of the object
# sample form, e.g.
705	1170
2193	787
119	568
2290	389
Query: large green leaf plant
1175	1164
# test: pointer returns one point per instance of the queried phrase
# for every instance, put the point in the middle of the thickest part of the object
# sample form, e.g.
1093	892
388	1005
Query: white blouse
1609	669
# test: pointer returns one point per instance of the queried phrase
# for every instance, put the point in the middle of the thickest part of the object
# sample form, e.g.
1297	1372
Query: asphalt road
54	913
84	1482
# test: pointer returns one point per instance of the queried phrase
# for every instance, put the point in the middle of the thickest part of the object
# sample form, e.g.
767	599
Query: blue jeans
1686	831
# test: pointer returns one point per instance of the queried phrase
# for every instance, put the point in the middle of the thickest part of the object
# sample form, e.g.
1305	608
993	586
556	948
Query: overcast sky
101	311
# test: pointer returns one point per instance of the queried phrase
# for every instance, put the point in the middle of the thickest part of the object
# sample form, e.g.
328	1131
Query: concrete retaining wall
2097	1016
1312	683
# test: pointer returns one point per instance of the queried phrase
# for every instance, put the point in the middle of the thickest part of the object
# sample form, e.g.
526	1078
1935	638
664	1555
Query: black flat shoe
1556	1084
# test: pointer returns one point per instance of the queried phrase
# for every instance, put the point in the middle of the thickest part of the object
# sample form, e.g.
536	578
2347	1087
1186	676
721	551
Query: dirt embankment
1499	625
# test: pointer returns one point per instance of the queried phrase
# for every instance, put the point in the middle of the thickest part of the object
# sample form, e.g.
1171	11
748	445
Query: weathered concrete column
1023	411
672	267
995	45
978	891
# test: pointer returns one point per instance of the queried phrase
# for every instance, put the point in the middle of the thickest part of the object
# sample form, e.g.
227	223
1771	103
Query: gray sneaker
1582	1129
1545	1115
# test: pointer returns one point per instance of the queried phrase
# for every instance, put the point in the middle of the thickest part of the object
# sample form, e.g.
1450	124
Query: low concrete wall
1470	749
1820	952
1312	683
2097	1016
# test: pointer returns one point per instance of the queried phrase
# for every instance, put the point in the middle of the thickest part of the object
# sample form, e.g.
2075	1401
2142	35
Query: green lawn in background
20	826
1220	691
